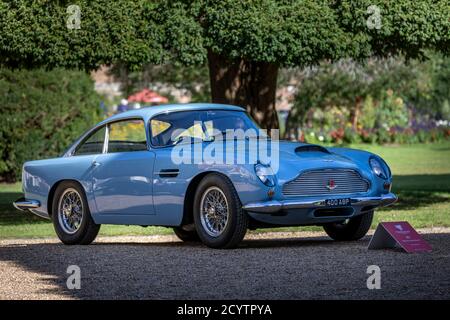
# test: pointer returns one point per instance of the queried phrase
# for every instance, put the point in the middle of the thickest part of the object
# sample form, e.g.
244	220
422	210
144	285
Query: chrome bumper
273	206
26	204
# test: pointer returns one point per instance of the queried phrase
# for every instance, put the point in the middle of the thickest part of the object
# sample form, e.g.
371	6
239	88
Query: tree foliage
407	26
301	32
282	32
289	33
34	33
252	38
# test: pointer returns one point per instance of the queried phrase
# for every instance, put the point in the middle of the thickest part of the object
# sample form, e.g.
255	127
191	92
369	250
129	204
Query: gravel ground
300	265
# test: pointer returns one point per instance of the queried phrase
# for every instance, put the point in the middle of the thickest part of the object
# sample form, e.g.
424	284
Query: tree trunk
248	84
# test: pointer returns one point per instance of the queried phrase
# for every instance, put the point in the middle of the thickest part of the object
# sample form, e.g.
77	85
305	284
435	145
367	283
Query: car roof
148	112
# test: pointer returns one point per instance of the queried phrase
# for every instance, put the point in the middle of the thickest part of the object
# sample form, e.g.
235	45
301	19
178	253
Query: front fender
248	187
361	158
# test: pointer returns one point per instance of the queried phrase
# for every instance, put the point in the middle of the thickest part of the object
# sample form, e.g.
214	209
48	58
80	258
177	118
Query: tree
244	42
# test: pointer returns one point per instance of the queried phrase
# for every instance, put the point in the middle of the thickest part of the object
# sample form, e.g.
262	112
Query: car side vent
311	148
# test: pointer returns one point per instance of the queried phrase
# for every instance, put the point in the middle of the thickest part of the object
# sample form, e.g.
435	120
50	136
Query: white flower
321	138
442	123
311	134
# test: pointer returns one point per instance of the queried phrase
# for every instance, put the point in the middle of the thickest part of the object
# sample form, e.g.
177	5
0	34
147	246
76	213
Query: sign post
398	235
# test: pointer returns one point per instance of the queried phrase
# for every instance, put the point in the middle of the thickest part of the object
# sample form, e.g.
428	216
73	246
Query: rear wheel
71	216
219	219
186	233
351	229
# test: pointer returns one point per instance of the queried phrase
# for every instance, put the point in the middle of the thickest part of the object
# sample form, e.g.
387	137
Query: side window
93	144
126	136
167	128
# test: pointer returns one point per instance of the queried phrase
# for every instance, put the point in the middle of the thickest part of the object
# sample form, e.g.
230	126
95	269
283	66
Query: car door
122	179
171	178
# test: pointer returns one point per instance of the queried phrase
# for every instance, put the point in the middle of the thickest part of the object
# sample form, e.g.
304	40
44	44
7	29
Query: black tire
186	235
354	229
87	230
237	219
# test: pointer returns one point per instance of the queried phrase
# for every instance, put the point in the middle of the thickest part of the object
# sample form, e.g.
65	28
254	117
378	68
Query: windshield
169	129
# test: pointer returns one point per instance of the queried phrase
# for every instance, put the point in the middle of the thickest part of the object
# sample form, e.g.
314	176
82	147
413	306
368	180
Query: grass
421	180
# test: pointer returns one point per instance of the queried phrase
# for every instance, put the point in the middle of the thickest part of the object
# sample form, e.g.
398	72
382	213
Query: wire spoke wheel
214	211
70	211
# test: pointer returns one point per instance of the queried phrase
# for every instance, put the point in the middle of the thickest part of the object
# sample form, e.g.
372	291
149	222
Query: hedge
42	113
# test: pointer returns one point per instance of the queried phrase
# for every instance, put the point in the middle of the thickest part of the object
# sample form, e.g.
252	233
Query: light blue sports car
177	166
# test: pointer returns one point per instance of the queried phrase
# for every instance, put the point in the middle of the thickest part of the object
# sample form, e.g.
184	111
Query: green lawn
421	180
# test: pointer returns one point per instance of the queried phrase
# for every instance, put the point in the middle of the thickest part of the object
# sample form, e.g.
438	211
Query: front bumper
26	204
274	206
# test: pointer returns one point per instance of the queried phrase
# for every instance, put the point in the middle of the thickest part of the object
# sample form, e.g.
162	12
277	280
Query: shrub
42	114
381	99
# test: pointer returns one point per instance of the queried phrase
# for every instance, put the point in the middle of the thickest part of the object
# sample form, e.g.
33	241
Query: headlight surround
386	167
265	174
377	167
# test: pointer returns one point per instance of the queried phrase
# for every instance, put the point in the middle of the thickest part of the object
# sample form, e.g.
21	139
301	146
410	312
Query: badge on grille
331	185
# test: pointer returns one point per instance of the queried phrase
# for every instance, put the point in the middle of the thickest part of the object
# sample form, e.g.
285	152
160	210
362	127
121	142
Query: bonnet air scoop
310	148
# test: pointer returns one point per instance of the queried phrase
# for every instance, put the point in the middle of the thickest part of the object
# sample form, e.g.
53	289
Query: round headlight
265	174
377	168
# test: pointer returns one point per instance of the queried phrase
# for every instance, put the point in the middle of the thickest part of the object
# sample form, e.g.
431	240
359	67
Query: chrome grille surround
315	182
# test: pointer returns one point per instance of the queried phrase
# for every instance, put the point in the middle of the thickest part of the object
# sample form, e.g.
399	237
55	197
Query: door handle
95	163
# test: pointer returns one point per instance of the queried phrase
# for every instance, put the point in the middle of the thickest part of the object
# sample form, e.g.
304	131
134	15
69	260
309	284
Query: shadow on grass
422	182
440	148
411	200
416	191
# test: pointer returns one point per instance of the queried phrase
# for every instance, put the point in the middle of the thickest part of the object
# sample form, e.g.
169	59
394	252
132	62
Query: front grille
321	182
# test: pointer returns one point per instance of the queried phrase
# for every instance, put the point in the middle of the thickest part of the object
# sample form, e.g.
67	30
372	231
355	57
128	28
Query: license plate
337	202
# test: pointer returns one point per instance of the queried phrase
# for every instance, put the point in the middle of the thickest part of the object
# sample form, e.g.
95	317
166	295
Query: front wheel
219	219
351	229
71	216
